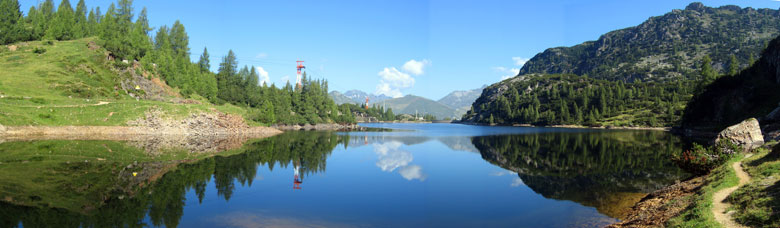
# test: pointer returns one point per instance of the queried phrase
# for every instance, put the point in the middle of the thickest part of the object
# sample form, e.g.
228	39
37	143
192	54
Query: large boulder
746	134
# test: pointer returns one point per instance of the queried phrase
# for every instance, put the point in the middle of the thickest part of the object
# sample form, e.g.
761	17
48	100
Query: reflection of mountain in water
459	143
606	170
89	183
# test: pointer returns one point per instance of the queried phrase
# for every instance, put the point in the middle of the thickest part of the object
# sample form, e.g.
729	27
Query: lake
418	175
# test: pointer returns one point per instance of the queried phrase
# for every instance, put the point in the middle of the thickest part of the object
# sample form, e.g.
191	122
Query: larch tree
11	29
203	62
61	27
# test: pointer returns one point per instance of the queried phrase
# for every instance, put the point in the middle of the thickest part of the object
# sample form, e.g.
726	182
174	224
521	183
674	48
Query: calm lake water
420	175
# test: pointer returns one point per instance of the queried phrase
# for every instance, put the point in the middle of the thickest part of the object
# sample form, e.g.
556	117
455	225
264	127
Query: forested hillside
667	46
639	76
557	99
165	55
754	92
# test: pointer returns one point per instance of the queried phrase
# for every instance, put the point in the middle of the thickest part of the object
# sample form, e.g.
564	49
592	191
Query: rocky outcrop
652	50
746	134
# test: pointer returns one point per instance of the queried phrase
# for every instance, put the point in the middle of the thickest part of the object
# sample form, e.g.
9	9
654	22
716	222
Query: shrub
39	50
702	160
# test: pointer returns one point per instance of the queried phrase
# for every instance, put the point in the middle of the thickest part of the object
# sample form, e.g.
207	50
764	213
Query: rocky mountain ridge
666	46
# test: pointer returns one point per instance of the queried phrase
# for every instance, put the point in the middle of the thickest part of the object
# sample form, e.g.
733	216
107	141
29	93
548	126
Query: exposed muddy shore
152	125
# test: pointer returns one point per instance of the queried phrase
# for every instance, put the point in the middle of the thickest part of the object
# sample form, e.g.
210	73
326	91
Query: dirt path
719	207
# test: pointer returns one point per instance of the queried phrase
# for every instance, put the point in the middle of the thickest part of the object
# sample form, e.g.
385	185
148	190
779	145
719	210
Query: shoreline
657	207
125	132
667	129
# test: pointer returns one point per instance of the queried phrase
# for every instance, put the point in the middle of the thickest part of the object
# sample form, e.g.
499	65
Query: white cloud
520	61
392	81
384	88
507	72
261	55
416	67
263	76
412	172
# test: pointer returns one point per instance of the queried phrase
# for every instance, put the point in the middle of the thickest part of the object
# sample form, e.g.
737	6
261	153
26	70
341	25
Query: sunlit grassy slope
62	85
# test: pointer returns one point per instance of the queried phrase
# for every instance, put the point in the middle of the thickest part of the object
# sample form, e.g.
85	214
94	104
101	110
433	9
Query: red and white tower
298	77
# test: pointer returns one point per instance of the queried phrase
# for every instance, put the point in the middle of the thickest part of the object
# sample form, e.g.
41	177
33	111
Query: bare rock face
746	134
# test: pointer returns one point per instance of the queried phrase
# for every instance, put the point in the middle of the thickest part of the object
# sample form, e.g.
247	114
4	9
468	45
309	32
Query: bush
48	42
39	50
701	160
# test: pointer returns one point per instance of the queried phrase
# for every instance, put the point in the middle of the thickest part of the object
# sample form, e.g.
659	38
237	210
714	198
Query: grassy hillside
58	83
410	104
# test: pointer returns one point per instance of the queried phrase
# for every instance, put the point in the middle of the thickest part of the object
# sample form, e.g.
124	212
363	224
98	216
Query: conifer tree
80	20
733	65
61	28
203	63
11	29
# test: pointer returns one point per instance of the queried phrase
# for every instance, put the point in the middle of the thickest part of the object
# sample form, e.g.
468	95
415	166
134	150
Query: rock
747	133
772	136
2	129
696	6
12	47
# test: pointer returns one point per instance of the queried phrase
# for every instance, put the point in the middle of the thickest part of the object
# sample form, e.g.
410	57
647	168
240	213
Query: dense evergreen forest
167	55
562	99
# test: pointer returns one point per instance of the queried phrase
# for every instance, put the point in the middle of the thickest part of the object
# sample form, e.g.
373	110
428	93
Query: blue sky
425	48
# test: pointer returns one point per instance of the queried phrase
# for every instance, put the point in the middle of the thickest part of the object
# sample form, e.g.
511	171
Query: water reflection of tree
599	169
163	200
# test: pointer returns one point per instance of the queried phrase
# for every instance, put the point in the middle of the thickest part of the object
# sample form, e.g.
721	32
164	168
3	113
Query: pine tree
139	40
179	40
203	63
227	71
61	28
733	66
92	24
707	73
11	28
80	19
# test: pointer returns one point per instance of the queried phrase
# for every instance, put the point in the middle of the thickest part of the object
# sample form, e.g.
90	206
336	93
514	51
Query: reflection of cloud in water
412	172
391	157
246	219
517	182
503	173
